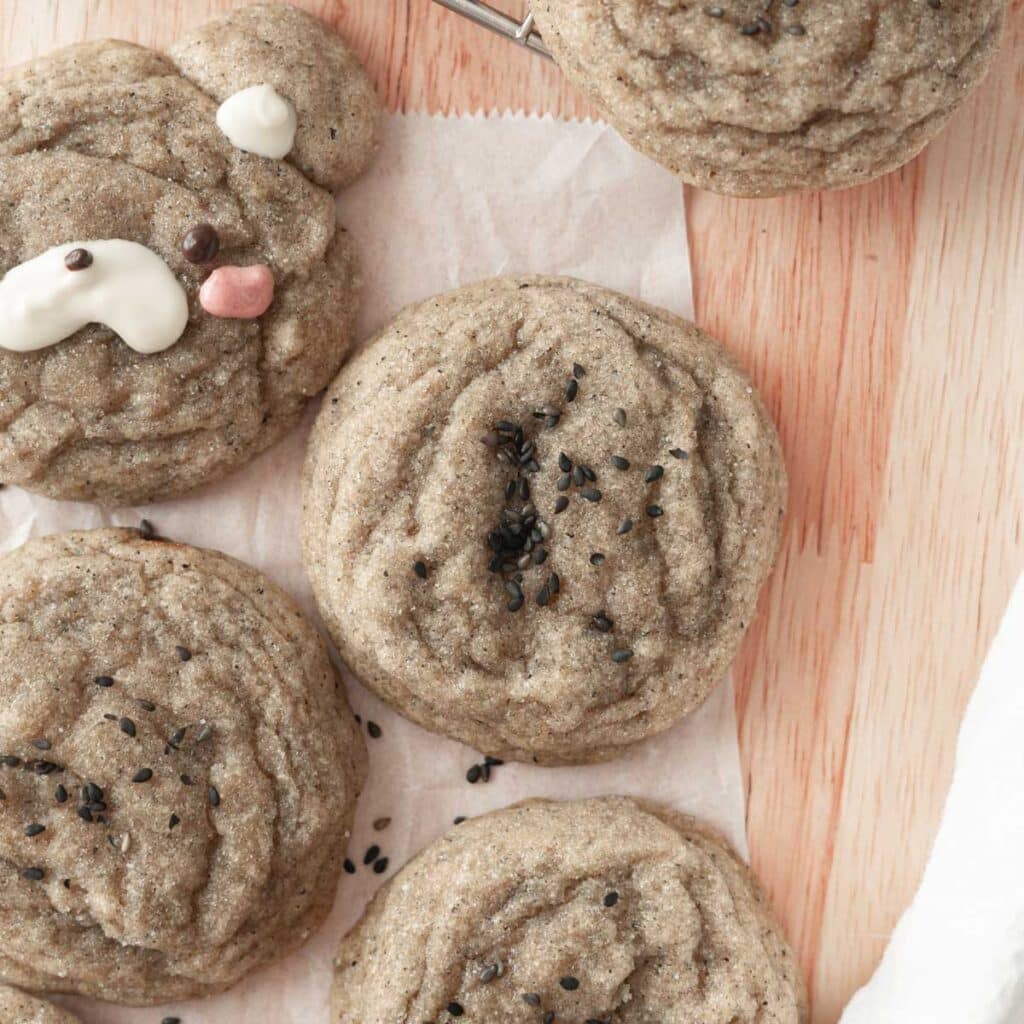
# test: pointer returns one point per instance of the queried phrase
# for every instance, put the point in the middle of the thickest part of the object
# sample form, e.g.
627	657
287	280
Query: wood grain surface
885	324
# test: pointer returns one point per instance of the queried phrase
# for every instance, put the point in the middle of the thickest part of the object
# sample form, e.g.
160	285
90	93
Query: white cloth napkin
957	955
447	202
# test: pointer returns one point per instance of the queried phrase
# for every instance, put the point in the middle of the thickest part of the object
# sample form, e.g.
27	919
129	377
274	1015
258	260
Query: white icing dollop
259	120
127	287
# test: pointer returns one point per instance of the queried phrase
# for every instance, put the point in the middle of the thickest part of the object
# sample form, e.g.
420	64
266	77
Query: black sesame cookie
755	98
108	140
178	767
537	515
20	1008
601	911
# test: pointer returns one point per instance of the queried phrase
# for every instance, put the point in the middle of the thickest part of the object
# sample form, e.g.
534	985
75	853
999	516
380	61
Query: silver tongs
521	32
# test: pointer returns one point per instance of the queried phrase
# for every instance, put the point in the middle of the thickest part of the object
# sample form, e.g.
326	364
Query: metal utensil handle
521	32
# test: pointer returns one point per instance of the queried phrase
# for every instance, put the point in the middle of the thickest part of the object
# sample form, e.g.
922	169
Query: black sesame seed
569	983
127	726
177	737
41	744
549	1017
455	1009
578	371
10	761
420	569
143	775
602	623
531	998
654	473
459	820
380	866
543	596
34	829
510	489
146	705
91	793
515	603
85	814
473	775
563	482
591	494
183	653
678	453
611	899
488	974
579	478
597	558
620	417
104	681
60	794
380	824
540	556
33	874
561	504
564	462
173	822
554	583
205	732
146	530
621	656
371	854
572	390
374	730
186	780
619	462
171	1020
625	526
750	29
506	427
655	511
349	867
796	30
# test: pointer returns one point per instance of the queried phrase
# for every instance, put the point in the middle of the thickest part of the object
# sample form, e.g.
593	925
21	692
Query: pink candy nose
239	293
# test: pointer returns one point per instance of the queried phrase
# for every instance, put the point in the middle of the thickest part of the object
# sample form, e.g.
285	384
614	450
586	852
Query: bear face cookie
537	515
174	285
601	910
179	769
751	98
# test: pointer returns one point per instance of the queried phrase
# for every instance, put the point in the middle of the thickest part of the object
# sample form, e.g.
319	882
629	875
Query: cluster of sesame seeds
91	807
373	859
482	772
762	24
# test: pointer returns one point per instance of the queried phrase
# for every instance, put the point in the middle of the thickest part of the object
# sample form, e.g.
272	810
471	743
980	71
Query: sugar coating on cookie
179	769
106	140
596	910
21	1008
756	99
537	515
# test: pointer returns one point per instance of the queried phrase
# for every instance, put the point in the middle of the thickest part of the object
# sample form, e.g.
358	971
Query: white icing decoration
128	287
259	120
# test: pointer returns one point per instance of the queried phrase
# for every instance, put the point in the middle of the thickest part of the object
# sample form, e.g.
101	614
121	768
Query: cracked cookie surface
755	99
537	515
601	910
178	764
107	140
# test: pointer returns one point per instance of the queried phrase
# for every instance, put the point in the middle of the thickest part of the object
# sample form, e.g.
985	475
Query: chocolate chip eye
78	259
201	244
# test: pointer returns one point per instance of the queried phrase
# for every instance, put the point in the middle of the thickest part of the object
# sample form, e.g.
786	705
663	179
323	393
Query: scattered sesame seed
561	504
569	983
171	1020
350	868
33	874
459	820
489	973
596	558
591	494
654	473
127	726
531	998
104	681
380	866
622	656
420	569
620	417
473	775
564	462
619	462
655	511
60	794
173	822
371	854
795	30
374	730
380	824
146	531
750	29
578	371
602	623
625	526
205	732
611	899
41	744
34	830
146	705
572	390
143	775
678	453
213	796
183	653
564	482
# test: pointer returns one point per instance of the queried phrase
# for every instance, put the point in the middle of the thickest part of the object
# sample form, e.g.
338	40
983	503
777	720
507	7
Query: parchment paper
448	201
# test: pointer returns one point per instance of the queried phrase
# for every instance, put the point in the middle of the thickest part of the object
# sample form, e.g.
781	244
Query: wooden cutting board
885	324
